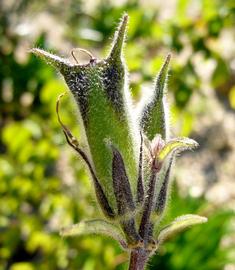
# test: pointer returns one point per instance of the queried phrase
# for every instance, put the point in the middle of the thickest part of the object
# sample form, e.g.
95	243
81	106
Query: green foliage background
43	185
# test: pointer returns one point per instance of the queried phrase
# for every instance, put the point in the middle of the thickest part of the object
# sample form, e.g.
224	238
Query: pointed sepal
121	184
179	224
140	184
162	79
163	193
124	199
119	39
148	206
57	62
154	118
97	226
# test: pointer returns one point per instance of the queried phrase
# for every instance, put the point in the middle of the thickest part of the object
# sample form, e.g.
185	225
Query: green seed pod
100	90
154	116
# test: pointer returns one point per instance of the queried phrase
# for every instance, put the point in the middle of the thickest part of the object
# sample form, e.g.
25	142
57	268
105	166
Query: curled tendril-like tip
66	131
92	58
58	107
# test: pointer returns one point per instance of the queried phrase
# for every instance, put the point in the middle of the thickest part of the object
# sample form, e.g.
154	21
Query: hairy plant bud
154	116
100	90
156	145
129	161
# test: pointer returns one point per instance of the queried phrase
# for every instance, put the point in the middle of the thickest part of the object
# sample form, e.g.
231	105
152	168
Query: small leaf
97	226
178	225
176	145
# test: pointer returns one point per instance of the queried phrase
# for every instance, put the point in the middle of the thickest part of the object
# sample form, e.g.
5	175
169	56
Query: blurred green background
43	184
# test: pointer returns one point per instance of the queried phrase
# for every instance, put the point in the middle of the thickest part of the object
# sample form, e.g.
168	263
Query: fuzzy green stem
138	259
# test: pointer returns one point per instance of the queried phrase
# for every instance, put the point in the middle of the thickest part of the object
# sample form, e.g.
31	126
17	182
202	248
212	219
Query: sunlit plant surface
129	155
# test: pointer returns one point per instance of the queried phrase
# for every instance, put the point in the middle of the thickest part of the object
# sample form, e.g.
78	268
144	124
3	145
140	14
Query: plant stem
138	259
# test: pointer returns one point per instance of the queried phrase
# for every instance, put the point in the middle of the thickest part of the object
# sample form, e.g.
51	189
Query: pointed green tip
162	77
168	59
119	38
51	59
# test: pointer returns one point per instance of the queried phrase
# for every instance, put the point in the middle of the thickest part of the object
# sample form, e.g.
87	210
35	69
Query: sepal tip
52	59
119	38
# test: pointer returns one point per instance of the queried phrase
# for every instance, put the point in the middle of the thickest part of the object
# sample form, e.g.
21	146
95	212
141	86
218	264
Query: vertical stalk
148	207
138	259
